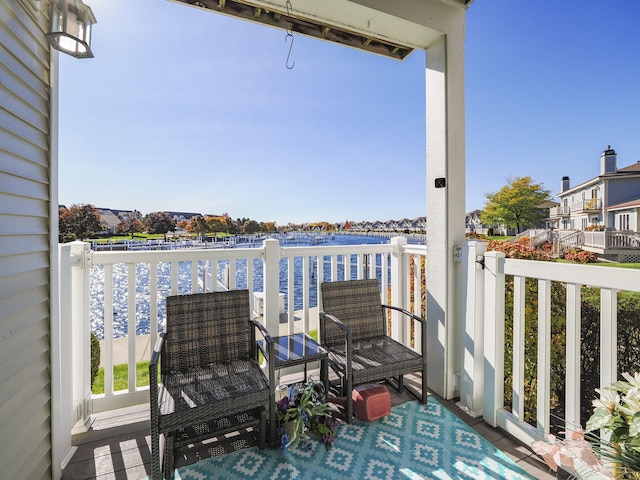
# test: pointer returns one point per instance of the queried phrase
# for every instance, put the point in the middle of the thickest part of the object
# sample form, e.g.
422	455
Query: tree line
79	222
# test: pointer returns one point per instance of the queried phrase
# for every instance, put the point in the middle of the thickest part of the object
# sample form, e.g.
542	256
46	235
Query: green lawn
617	265
121	377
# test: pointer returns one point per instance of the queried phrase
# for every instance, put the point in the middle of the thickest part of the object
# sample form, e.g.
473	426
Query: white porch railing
612	239
574	277
104	281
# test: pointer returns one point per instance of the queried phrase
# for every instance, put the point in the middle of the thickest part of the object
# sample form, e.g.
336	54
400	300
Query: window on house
585	223
623	221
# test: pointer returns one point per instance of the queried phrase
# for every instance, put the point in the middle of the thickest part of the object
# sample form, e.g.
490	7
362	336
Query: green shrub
95	357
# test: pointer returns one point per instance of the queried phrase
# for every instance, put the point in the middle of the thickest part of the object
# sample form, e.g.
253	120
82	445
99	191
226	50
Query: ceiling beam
305	25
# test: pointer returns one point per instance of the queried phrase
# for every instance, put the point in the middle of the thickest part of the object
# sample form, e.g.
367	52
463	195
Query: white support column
271	285
472	375
493	336
445	207
398	285
81	343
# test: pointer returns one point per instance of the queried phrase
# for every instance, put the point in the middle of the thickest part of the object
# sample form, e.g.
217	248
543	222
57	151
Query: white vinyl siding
25	365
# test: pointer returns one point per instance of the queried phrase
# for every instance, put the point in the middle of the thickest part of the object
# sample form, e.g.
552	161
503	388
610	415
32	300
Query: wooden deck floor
118	446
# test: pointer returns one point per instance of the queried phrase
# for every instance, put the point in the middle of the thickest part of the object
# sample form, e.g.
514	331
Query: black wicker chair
353	327
211	382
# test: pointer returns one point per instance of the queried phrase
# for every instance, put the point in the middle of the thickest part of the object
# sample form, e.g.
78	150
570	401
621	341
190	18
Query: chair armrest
153	371
263	330
413	316
347	331
335	320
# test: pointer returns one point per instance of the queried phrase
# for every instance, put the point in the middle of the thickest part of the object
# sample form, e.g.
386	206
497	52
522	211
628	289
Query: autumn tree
78	222
269	226
198	225
251	226
516	205
159	222
216	224
130	224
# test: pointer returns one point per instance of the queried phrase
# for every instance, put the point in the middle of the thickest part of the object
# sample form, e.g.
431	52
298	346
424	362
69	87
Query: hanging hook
289	54
289	35
289	8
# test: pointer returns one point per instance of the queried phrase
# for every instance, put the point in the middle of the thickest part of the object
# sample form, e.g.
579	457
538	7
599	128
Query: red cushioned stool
370	401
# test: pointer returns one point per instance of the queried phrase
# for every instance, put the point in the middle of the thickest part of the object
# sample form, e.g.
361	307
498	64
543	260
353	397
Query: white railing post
80	335
493	335
399	279
62	364
271	286
472	375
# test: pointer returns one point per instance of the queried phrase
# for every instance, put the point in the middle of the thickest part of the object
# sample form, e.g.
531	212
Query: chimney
564	185
608	161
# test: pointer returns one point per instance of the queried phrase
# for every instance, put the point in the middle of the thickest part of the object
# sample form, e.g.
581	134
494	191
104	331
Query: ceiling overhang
339	21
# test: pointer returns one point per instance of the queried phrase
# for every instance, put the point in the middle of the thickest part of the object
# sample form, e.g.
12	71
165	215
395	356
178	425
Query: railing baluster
233	274
518	346
194	276
108	330
131	327
334	268
174	277
608	336
291	294
573	316
544	355
153	305
305	293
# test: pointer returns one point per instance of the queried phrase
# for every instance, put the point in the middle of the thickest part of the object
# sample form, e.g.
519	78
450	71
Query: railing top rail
591	275
336	249
141	256
415	249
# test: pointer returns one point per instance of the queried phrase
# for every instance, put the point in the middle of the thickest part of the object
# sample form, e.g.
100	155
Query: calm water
142	314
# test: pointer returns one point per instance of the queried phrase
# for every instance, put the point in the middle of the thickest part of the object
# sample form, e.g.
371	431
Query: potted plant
616	414
302	412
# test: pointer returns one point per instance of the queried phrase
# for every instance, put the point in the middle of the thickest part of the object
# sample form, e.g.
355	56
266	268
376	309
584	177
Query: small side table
296	349
299	349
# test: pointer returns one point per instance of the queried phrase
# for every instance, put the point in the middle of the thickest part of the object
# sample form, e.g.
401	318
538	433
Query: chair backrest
357	304
205	328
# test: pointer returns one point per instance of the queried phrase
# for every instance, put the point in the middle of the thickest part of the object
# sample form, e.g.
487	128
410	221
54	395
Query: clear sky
187	110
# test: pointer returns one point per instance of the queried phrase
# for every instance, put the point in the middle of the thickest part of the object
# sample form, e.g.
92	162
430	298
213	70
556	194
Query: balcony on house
559	211
591	205
111	292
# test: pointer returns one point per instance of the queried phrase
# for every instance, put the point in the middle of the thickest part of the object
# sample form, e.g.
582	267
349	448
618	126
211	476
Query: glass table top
297	348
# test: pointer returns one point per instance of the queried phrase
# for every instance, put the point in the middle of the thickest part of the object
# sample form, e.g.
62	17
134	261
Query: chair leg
424	386
263	428
156	468
349	394
400	382
169	466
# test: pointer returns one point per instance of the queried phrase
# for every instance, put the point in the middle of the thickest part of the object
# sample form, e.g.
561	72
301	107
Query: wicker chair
353	327
211	382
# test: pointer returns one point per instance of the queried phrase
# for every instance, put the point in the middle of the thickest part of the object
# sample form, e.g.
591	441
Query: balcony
559	211
591	205
95	279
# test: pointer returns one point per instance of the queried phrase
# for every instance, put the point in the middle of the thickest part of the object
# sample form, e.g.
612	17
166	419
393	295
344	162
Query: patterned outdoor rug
413	442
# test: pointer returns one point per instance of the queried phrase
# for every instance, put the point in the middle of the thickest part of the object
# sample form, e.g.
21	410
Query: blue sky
187	110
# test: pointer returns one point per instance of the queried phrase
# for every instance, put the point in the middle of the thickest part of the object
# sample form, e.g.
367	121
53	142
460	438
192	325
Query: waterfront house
606	208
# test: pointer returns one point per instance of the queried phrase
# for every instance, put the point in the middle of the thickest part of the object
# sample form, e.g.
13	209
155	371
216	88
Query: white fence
108	285
574	277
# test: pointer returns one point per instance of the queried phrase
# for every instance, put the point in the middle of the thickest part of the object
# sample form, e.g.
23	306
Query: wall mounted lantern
70	29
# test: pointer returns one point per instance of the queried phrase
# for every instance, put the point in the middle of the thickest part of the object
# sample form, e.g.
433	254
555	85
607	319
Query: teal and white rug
415	441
